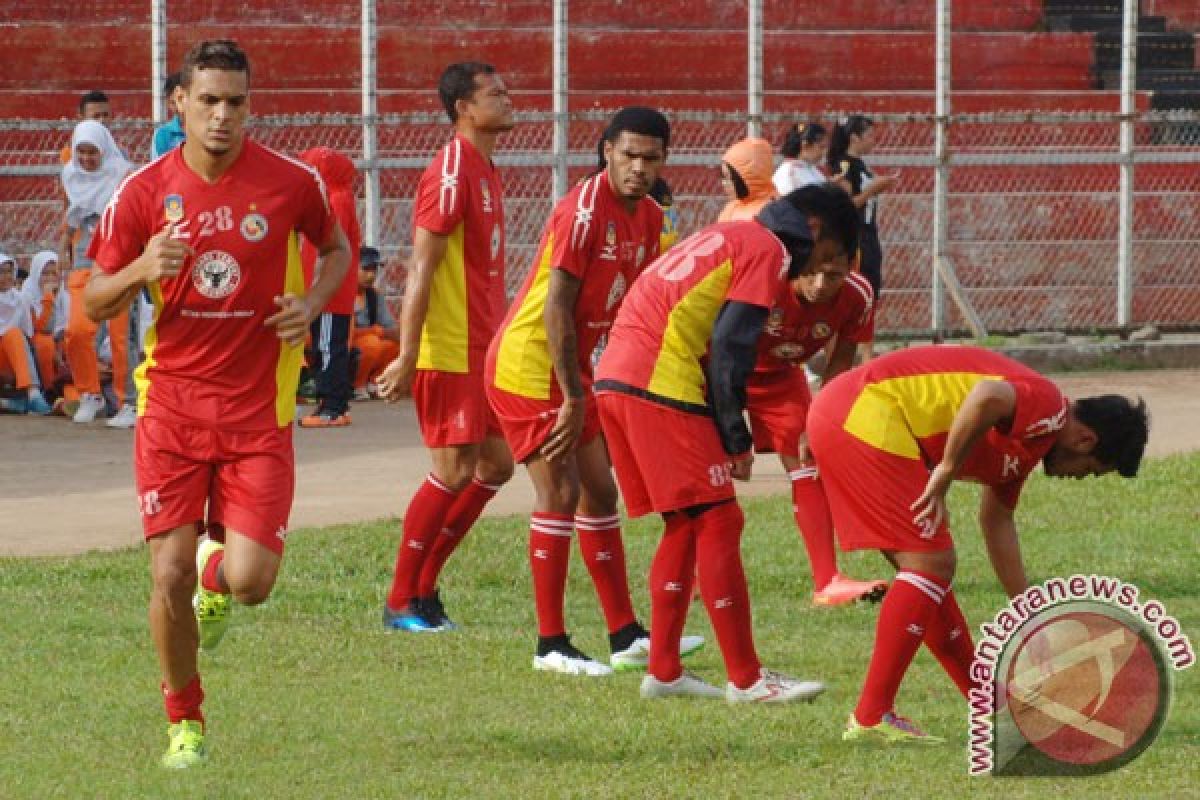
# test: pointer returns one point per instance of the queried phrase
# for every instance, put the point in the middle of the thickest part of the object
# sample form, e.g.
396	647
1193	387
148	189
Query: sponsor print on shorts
1073	677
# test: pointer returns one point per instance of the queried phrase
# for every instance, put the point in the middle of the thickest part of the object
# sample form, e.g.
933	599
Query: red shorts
244	480
777	404
665	460
869	490
527	422
452	408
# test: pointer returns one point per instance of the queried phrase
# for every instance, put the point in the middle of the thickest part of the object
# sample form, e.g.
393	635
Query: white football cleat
773	687
686	685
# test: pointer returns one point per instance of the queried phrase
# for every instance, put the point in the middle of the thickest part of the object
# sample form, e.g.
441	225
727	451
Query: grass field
309	698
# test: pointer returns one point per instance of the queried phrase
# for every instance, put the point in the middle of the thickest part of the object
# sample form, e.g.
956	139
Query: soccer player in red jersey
539	381
907	425
671	391
830	308
453	302
212	230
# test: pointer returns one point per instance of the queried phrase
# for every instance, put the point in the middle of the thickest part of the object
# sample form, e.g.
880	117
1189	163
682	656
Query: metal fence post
754	61
560	143
158	59
1125	217
941	182
370	124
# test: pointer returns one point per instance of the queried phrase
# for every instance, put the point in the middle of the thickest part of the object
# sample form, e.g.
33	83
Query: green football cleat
892	729
212	608
187	745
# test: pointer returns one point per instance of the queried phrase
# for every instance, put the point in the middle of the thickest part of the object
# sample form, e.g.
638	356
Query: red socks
723	587
949	639
185	703
461	517
909	608
424	519
210	579
815	523
549	554
671	577
604	553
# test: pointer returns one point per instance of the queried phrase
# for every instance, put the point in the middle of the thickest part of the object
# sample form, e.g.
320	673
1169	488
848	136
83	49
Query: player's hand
931	505
396	379
742	466
292	319
567	429
164	256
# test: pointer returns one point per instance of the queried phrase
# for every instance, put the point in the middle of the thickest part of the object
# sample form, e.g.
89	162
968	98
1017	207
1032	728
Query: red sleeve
125	227
442	193
316	218
1041	408
758	268
572	237
859	326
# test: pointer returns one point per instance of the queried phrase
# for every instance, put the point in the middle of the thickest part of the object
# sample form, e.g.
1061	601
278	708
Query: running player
830	309
677	360
453	302
539	382
907	425
212	230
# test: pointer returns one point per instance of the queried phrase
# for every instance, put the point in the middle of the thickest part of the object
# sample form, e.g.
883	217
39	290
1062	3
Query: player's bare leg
811	509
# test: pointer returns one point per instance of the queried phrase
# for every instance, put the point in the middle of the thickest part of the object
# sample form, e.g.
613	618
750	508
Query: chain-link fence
1033	210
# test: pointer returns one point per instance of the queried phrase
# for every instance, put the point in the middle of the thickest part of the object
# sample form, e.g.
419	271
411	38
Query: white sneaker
125	418
637	655
89	406
569	661
772	687
361	395
686	684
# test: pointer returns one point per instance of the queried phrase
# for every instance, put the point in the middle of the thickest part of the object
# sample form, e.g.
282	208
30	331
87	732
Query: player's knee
174	576
251	593
561	497
494	474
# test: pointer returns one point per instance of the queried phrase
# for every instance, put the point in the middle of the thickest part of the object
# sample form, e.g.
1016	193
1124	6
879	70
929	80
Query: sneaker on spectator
37	404
325	419
372	388
13	405
361	395
89	406
125	418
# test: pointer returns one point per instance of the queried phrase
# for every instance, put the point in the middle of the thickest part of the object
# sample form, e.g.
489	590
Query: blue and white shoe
38	405
410	619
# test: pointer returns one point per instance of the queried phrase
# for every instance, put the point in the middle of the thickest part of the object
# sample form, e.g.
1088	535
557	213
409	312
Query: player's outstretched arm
107	295
429	249
559	318
1004	549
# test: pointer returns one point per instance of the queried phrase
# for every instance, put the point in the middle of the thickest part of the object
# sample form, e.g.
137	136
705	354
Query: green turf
309	698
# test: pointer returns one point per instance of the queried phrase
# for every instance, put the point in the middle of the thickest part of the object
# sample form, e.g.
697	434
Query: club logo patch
216	274
254	227
486	195
821	331
173	207
497	238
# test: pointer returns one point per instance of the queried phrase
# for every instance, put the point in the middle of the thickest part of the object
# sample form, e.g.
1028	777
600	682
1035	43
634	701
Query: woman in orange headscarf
746	170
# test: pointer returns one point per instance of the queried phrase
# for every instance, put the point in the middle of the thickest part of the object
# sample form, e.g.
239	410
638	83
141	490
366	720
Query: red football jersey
210	360
661	335
915	394
797	330
460	197
591	235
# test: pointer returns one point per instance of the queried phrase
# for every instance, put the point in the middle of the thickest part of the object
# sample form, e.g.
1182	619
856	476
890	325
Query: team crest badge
610	235
486	194
254	227
821	331
216	274
775	321
173	207
497	236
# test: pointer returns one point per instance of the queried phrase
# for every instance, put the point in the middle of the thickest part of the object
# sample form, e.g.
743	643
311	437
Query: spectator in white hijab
16	328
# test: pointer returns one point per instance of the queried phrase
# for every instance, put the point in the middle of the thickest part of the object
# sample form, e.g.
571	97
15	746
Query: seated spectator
746	179
47	330
96	169
804	150
16	327
376	336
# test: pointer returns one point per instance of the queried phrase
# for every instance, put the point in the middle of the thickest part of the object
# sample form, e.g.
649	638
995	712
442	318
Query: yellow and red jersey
661	335
592	236
905	402
210	359
797	330
460	196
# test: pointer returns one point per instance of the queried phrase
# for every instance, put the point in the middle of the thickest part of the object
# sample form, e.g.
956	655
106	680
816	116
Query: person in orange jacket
746	170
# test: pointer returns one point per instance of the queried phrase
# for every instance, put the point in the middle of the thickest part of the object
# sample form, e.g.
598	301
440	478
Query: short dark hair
641	120
458	83
369	257
829	203
221	54
799	135
170	83
94	96
1121	428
